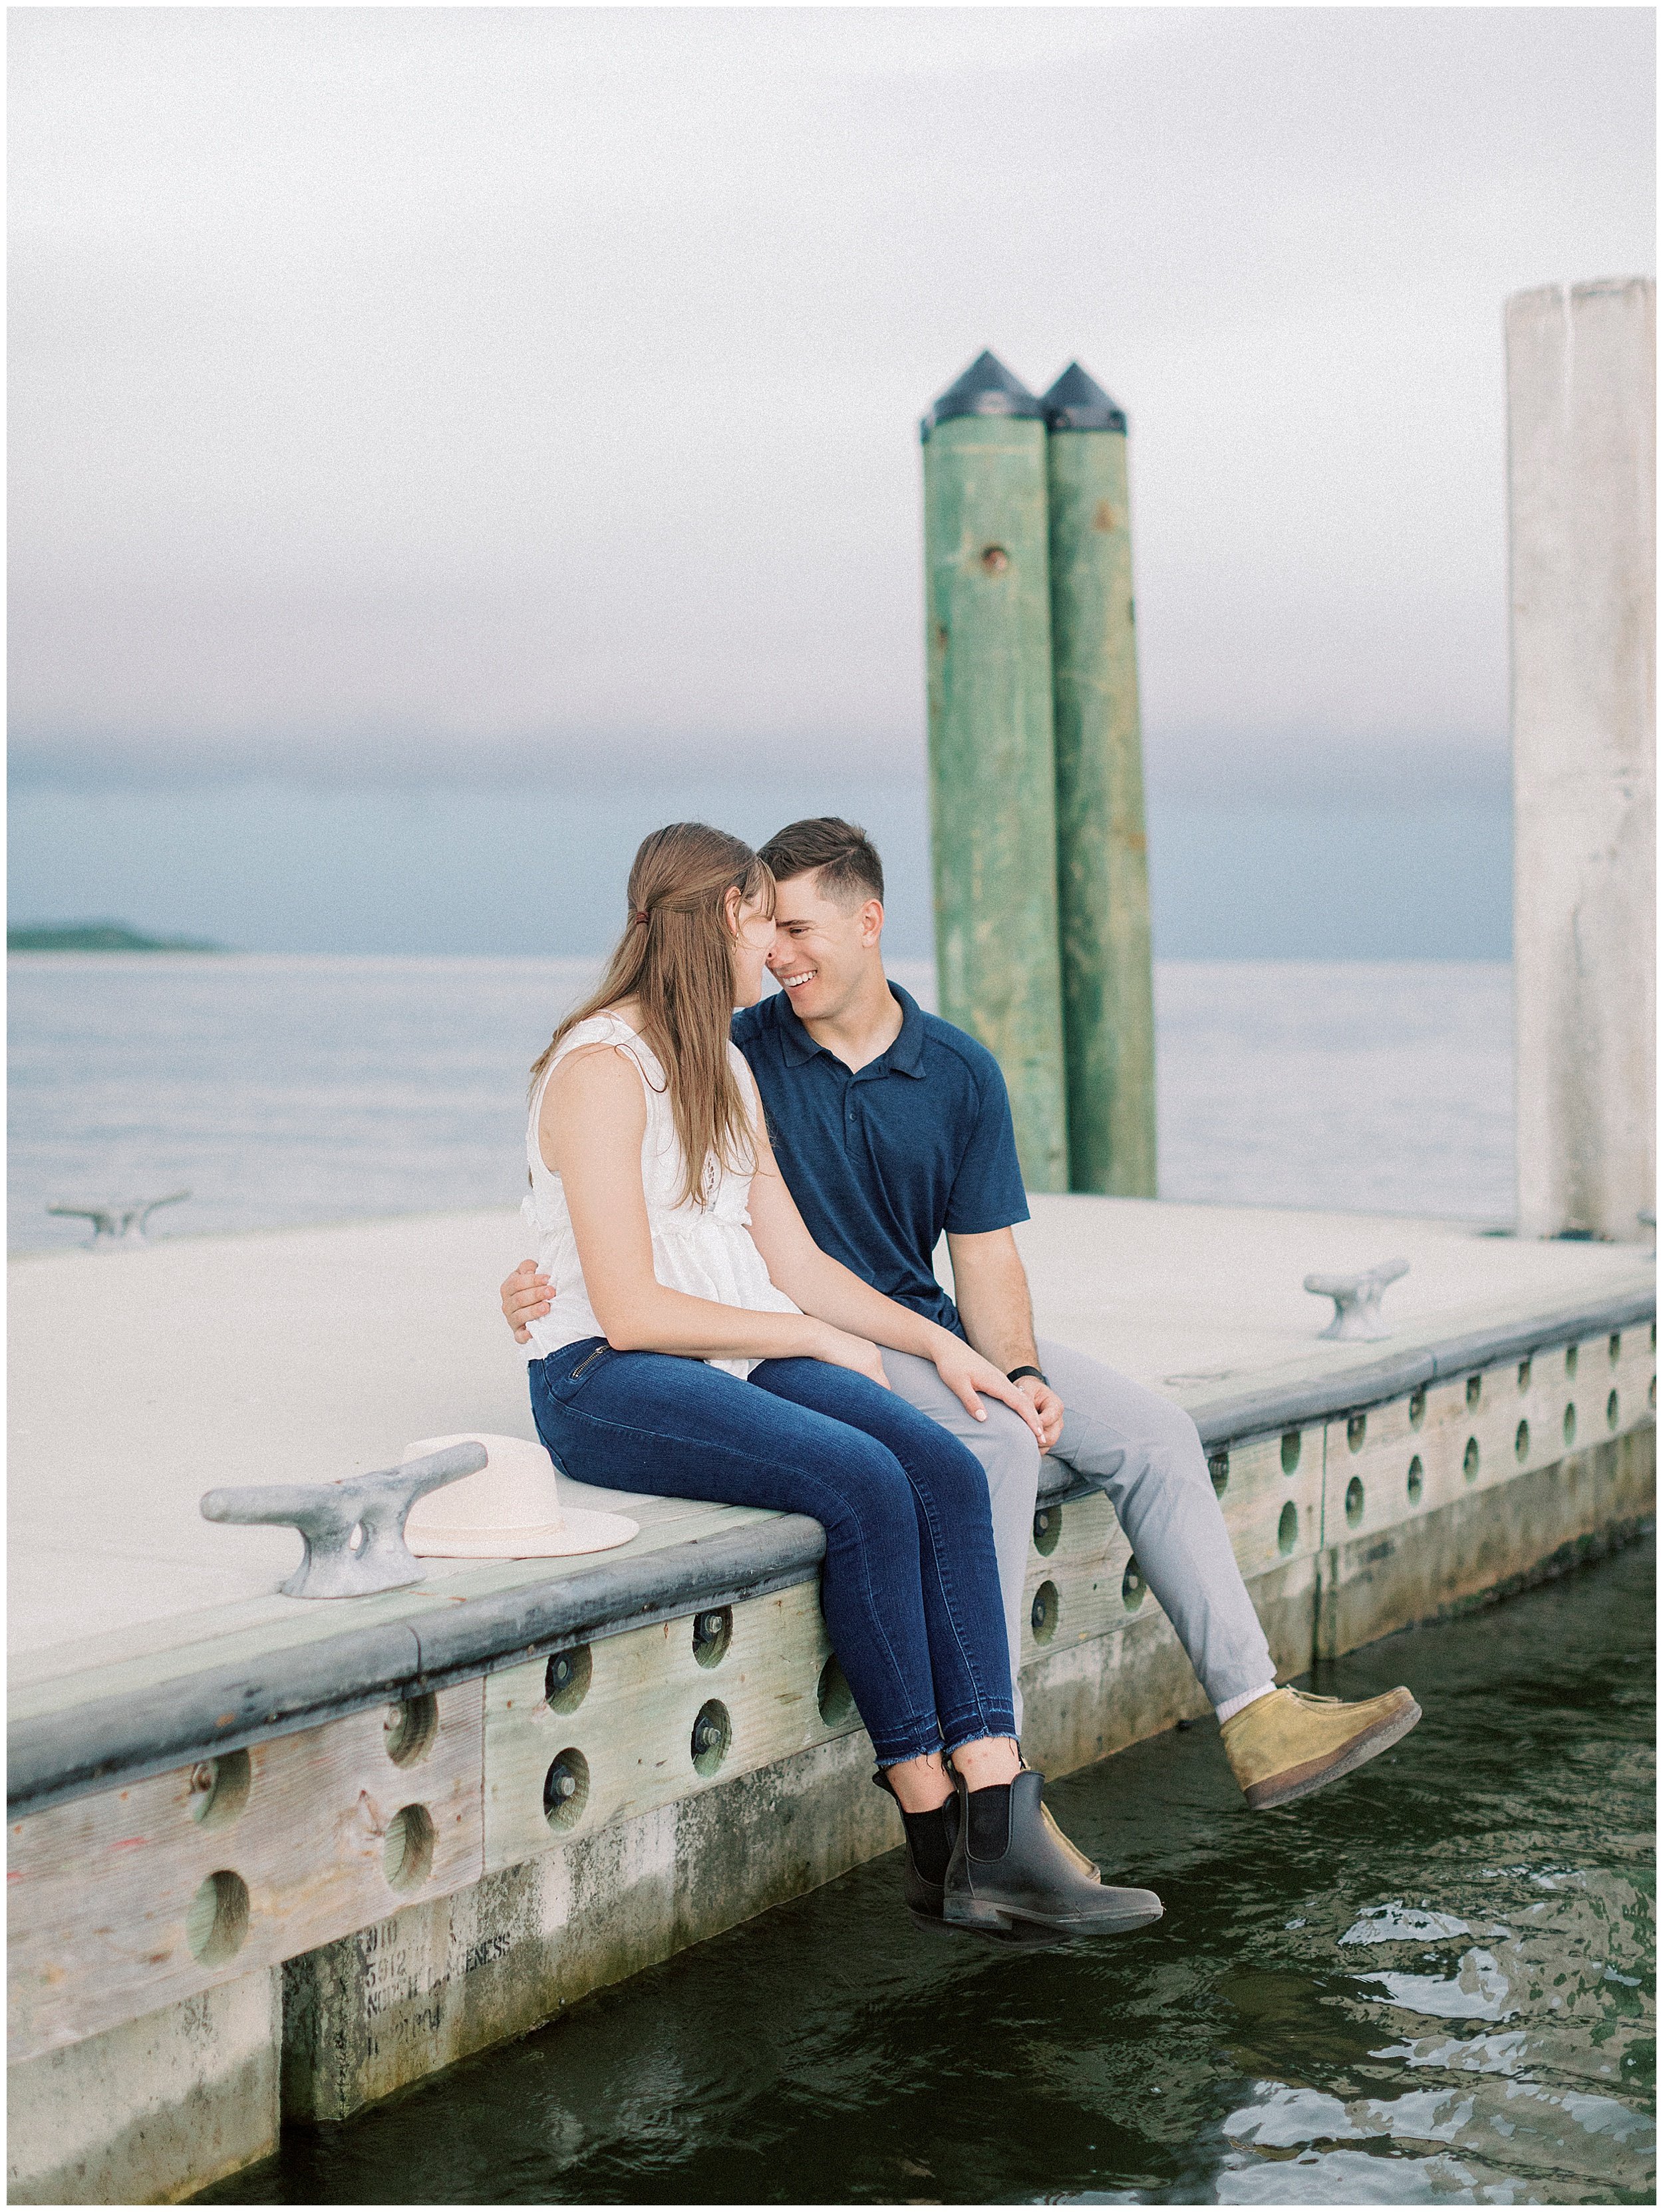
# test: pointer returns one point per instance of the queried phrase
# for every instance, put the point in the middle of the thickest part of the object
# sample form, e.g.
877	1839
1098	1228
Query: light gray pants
1147	1455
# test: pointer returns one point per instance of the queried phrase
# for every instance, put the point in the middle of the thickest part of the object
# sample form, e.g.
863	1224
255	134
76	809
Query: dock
271	1860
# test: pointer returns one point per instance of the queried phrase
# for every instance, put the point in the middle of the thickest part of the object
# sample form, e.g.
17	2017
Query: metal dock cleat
1357	1317
116	1220
354	1529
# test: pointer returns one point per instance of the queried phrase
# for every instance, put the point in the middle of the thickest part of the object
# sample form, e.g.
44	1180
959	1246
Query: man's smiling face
824	953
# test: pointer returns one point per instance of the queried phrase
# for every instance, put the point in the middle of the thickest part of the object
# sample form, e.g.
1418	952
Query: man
892	1127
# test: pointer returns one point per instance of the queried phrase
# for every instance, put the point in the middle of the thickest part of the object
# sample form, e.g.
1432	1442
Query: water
1431	1982
1383	1086
288	1089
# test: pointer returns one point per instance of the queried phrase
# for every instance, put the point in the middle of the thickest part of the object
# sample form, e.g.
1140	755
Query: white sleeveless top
706	1251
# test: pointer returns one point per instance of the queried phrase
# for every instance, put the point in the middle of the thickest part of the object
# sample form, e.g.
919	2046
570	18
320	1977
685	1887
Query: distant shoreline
98	937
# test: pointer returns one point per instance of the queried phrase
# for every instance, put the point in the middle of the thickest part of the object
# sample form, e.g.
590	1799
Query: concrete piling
1581	457
1102	865
992	748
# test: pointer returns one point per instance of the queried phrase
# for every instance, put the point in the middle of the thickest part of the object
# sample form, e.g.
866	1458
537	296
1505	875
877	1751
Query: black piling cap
1078	401
987	387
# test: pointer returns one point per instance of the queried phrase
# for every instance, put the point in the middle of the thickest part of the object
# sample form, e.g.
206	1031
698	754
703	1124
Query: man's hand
990	1286
1047	1405
527	1297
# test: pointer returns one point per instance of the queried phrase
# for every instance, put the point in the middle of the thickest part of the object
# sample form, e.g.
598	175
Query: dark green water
1431	1982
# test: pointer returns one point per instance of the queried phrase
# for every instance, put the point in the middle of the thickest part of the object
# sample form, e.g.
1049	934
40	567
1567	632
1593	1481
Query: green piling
993	817
1102	864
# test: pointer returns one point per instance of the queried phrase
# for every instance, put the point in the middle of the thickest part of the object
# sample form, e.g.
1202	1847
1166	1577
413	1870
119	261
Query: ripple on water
1480	1988
1400	1923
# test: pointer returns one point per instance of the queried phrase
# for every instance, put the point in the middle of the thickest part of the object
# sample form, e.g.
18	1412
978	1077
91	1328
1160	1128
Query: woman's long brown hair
675	960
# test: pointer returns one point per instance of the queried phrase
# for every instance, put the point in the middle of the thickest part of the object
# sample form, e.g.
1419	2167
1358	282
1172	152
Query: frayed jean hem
995	1724
895	1751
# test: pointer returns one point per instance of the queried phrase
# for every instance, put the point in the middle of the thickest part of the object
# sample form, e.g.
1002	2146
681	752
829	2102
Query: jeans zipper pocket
583	1367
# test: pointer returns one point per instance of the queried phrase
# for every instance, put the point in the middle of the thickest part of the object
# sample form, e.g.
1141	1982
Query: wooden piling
991	752
1102	867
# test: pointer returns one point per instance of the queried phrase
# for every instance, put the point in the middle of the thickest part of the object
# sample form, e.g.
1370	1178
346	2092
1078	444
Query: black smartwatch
1017	1373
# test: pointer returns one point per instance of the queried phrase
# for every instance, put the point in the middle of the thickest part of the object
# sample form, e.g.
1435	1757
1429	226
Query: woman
700	1345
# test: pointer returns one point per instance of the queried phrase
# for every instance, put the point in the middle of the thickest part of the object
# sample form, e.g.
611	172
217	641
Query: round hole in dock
1569	1425
1047	1529
995	560
1470	1460
1287	1528
567	1677
1614	1347
1218	1466
833	1696
1353	1501
566	1790
1416	1482
1571	1362
1475	1391
713	1731
1416	1408
1611	1410
1132	1587
1044	1611
1523	1374
1356	1428
1521	1441
219	1789
355	1540
407	1847
217	1919
1290	1451
410	1729
713	1633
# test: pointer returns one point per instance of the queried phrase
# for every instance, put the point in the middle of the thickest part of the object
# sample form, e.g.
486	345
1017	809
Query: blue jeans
910	1585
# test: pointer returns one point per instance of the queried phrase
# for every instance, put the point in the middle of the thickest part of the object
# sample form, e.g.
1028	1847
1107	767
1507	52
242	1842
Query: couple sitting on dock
734	1301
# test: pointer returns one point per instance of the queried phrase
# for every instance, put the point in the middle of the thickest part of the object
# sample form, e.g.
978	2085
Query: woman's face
753	925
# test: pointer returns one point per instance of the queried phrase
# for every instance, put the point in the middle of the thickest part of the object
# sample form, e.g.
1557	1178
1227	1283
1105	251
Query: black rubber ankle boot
930	1838
1013	1869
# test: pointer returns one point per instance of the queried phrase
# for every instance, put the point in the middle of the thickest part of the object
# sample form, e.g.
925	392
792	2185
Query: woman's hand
966	1373
839	1349
527	1295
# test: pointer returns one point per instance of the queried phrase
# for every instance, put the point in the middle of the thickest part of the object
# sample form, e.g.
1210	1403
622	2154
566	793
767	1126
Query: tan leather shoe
1289	1743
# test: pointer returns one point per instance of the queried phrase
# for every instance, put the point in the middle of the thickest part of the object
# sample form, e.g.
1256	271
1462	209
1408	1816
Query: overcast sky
405	394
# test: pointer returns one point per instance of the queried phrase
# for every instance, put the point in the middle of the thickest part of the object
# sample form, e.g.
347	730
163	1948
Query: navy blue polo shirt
882	1159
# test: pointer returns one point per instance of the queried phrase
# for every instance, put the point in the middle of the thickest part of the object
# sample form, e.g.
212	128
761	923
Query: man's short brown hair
840	853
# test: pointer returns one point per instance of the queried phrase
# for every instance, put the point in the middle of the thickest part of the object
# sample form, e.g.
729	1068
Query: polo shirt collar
903	1057
906	1055
795	1041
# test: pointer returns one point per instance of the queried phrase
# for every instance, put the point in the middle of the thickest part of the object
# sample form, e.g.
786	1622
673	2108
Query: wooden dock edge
199	1953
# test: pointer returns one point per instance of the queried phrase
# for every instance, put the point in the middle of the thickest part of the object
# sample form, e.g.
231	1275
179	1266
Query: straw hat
510	1510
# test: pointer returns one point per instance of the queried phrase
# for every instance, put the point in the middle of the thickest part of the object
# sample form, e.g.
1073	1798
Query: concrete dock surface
274	1859
142	1378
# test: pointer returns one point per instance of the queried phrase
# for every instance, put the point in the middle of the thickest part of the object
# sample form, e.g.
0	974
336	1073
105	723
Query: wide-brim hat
511	1510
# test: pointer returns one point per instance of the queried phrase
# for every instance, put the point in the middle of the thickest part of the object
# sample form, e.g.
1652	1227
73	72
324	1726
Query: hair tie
641	915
